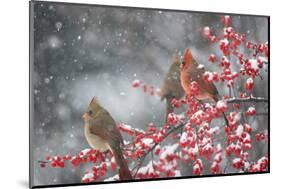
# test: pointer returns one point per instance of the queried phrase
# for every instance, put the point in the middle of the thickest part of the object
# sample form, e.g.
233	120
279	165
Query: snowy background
85	51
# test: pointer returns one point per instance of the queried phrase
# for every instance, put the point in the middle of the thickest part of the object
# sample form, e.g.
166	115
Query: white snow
140	130
246	165
207	146
250	81
136	83
218	147
257	166
58	26
236	160
229	29
183	138
226	17
127	127
210	75
147	169
113	178
207	105
178	173
217	157
225	59
85	151
126	142
61	96
196	166
247	138
254	64
198	113
214	130
168	150
263	59
181	116
47	80
262	159
200	66
206	31
232	145
239	130
237	117
221	104
251	109
170	165
147	141
88	176
54	42
194	151
224	42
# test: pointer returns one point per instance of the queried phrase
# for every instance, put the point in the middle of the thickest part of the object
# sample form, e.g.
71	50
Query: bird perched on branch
171	87
192	71
102	134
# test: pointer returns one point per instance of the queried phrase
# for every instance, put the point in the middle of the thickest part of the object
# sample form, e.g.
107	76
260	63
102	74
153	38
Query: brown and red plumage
171	88
102	134
192	71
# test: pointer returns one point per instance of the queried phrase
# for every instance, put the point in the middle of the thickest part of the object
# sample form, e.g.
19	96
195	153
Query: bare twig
173	129
248	99
40	161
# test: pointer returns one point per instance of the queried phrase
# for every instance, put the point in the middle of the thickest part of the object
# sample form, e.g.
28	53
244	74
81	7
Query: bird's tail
124	172
169	107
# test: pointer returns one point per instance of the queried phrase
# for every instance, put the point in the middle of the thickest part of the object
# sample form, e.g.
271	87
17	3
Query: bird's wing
105	127
172	85
196	74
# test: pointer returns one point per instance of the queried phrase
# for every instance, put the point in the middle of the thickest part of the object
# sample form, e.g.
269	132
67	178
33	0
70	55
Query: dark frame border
31	61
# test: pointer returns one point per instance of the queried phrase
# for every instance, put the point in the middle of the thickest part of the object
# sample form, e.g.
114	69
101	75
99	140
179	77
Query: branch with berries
192	136
196	140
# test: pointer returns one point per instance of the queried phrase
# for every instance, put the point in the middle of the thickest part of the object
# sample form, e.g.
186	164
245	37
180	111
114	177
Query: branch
248	99
154	146
230	100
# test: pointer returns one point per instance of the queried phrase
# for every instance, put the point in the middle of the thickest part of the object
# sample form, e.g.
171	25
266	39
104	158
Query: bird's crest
175	58
187	56
94	101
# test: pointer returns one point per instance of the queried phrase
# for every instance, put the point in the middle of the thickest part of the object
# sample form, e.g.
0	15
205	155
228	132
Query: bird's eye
90	112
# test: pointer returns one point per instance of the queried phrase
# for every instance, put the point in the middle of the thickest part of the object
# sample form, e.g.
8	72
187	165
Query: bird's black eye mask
90	112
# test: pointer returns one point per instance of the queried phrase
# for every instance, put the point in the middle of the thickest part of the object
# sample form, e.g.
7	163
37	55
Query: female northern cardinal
102	134
171	87
191	71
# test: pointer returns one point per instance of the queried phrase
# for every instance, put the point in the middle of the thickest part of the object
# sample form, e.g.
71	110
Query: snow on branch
247	99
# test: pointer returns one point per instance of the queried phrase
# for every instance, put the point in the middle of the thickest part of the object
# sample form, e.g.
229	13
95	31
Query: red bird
192	71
